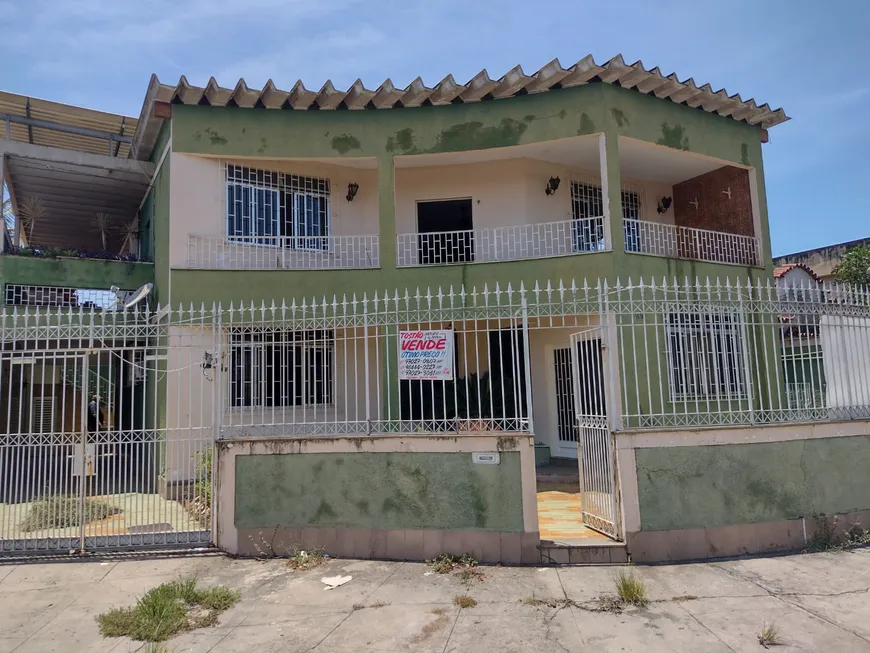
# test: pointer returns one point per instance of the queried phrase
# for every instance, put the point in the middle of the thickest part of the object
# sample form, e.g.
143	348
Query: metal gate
101	444
597	482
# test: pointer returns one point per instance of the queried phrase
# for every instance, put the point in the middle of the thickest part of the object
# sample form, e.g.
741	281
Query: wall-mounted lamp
352	190
552	185
664	205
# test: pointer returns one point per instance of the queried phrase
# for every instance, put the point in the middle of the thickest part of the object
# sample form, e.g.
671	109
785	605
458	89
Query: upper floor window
277	209
587	210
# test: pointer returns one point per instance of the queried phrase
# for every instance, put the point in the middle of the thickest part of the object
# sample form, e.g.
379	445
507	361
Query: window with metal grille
587	208
704	355
273	368
277	209
631	214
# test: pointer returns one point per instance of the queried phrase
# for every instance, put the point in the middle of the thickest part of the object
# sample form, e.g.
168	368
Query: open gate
595	437
103	440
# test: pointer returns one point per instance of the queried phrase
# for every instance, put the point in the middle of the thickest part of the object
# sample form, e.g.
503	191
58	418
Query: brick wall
715	211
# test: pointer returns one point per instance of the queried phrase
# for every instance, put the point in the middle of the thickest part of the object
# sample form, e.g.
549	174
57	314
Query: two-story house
317	229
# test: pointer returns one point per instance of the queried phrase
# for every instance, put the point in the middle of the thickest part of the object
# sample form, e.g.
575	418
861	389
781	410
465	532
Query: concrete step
585	551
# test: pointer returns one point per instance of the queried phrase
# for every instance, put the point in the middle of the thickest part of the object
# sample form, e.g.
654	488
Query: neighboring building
823	261
584	245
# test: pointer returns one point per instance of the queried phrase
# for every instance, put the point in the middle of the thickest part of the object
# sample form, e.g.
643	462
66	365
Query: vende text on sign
426	355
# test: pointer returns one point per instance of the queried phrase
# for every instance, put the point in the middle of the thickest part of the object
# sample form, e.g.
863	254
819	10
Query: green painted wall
155	211
74	273
227	131
384	134
378	491
721	485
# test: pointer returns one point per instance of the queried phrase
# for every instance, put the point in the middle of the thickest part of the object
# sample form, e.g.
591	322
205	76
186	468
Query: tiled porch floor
559	514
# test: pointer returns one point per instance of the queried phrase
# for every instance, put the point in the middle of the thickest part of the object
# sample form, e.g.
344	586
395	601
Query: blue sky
809	57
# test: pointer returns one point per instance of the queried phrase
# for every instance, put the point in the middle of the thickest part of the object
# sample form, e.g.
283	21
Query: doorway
444	229
575	491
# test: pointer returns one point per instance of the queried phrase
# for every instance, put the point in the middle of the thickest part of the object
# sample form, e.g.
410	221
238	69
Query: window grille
277	209
704	351
273	368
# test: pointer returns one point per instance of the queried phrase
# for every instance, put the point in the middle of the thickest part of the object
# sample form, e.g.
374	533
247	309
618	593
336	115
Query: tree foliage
855	267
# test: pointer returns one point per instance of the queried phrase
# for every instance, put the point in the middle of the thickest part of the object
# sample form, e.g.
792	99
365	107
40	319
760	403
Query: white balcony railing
688	243
282	252
514	243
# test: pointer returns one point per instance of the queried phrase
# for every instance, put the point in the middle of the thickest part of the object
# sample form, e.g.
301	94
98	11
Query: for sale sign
426	355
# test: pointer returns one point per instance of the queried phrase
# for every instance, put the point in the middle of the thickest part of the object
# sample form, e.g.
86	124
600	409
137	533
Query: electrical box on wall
487	458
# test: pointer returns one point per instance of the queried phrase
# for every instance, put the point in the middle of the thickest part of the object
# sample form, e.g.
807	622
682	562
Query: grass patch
464	601
769	635
167	610
630	588
64	511
302	560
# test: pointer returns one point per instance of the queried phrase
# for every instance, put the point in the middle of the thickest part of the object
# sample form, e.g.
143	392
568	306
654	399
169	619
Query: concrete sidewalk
819	603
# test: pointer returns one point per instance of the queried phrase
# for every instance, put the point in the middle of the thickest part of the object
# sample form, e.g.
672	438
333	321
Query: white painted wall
197	201
503	193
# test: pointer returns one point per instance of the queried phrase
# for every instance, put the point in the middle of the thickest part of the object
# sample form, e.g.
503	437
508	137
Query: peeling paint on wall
744	154
586	125
619	117
673	137
345	143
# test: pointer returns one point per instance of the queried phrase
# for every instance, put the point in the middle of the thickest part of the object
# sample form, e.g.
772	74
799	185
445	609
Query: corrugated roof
91	125
480	87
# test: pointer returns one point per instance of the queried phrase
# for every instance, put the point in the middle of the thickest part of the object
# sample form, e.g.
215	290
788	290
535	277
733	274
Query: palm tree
31	210
102	224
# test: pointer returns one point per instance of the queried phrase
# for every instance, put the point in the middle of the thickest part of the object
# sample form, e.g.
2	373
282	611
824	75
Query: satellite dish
138	296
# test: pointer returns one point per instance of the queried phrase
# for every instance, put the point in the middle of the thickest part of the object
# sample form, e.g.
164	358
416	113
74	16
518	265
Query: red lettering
441	344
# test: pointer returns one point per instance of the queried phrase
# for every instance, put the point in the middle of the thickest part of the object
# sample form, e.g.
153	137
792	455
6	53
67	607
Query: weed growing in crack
630	588
824	538
464	601
769	635
302	560
370	606
445	563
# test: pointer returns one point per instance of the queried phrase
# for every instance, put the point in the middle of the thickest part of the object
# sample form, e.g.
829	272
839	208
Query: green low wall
378	491
74	272
722	485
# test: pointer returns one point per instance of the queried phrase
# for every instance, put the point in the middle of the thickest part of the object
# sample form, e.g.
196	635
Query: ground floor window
704	355
275	368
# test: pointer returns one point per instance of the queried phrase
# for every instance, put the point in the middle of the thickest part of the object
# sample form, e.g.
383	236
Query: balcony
688	243
283	252
68	281
511	243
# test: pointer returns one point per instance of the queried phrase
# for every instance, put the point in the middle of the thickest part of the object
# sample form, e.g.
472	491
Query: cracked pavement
817	601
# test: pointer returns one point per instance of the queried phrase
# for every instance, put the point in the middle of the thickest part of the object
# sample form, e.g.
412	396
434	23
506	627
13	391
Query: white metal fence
97	450
136	469
512	243
283	252
689	243
720	353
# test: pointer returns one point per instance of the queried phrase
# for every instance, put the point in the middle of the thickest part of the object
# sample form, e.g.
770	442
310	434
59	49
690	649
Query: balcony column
387	241
387	211
611	190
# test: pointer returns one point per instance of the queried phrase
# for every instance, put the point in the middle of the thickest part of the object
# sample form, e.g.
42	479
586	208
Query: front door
594	443
567	429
